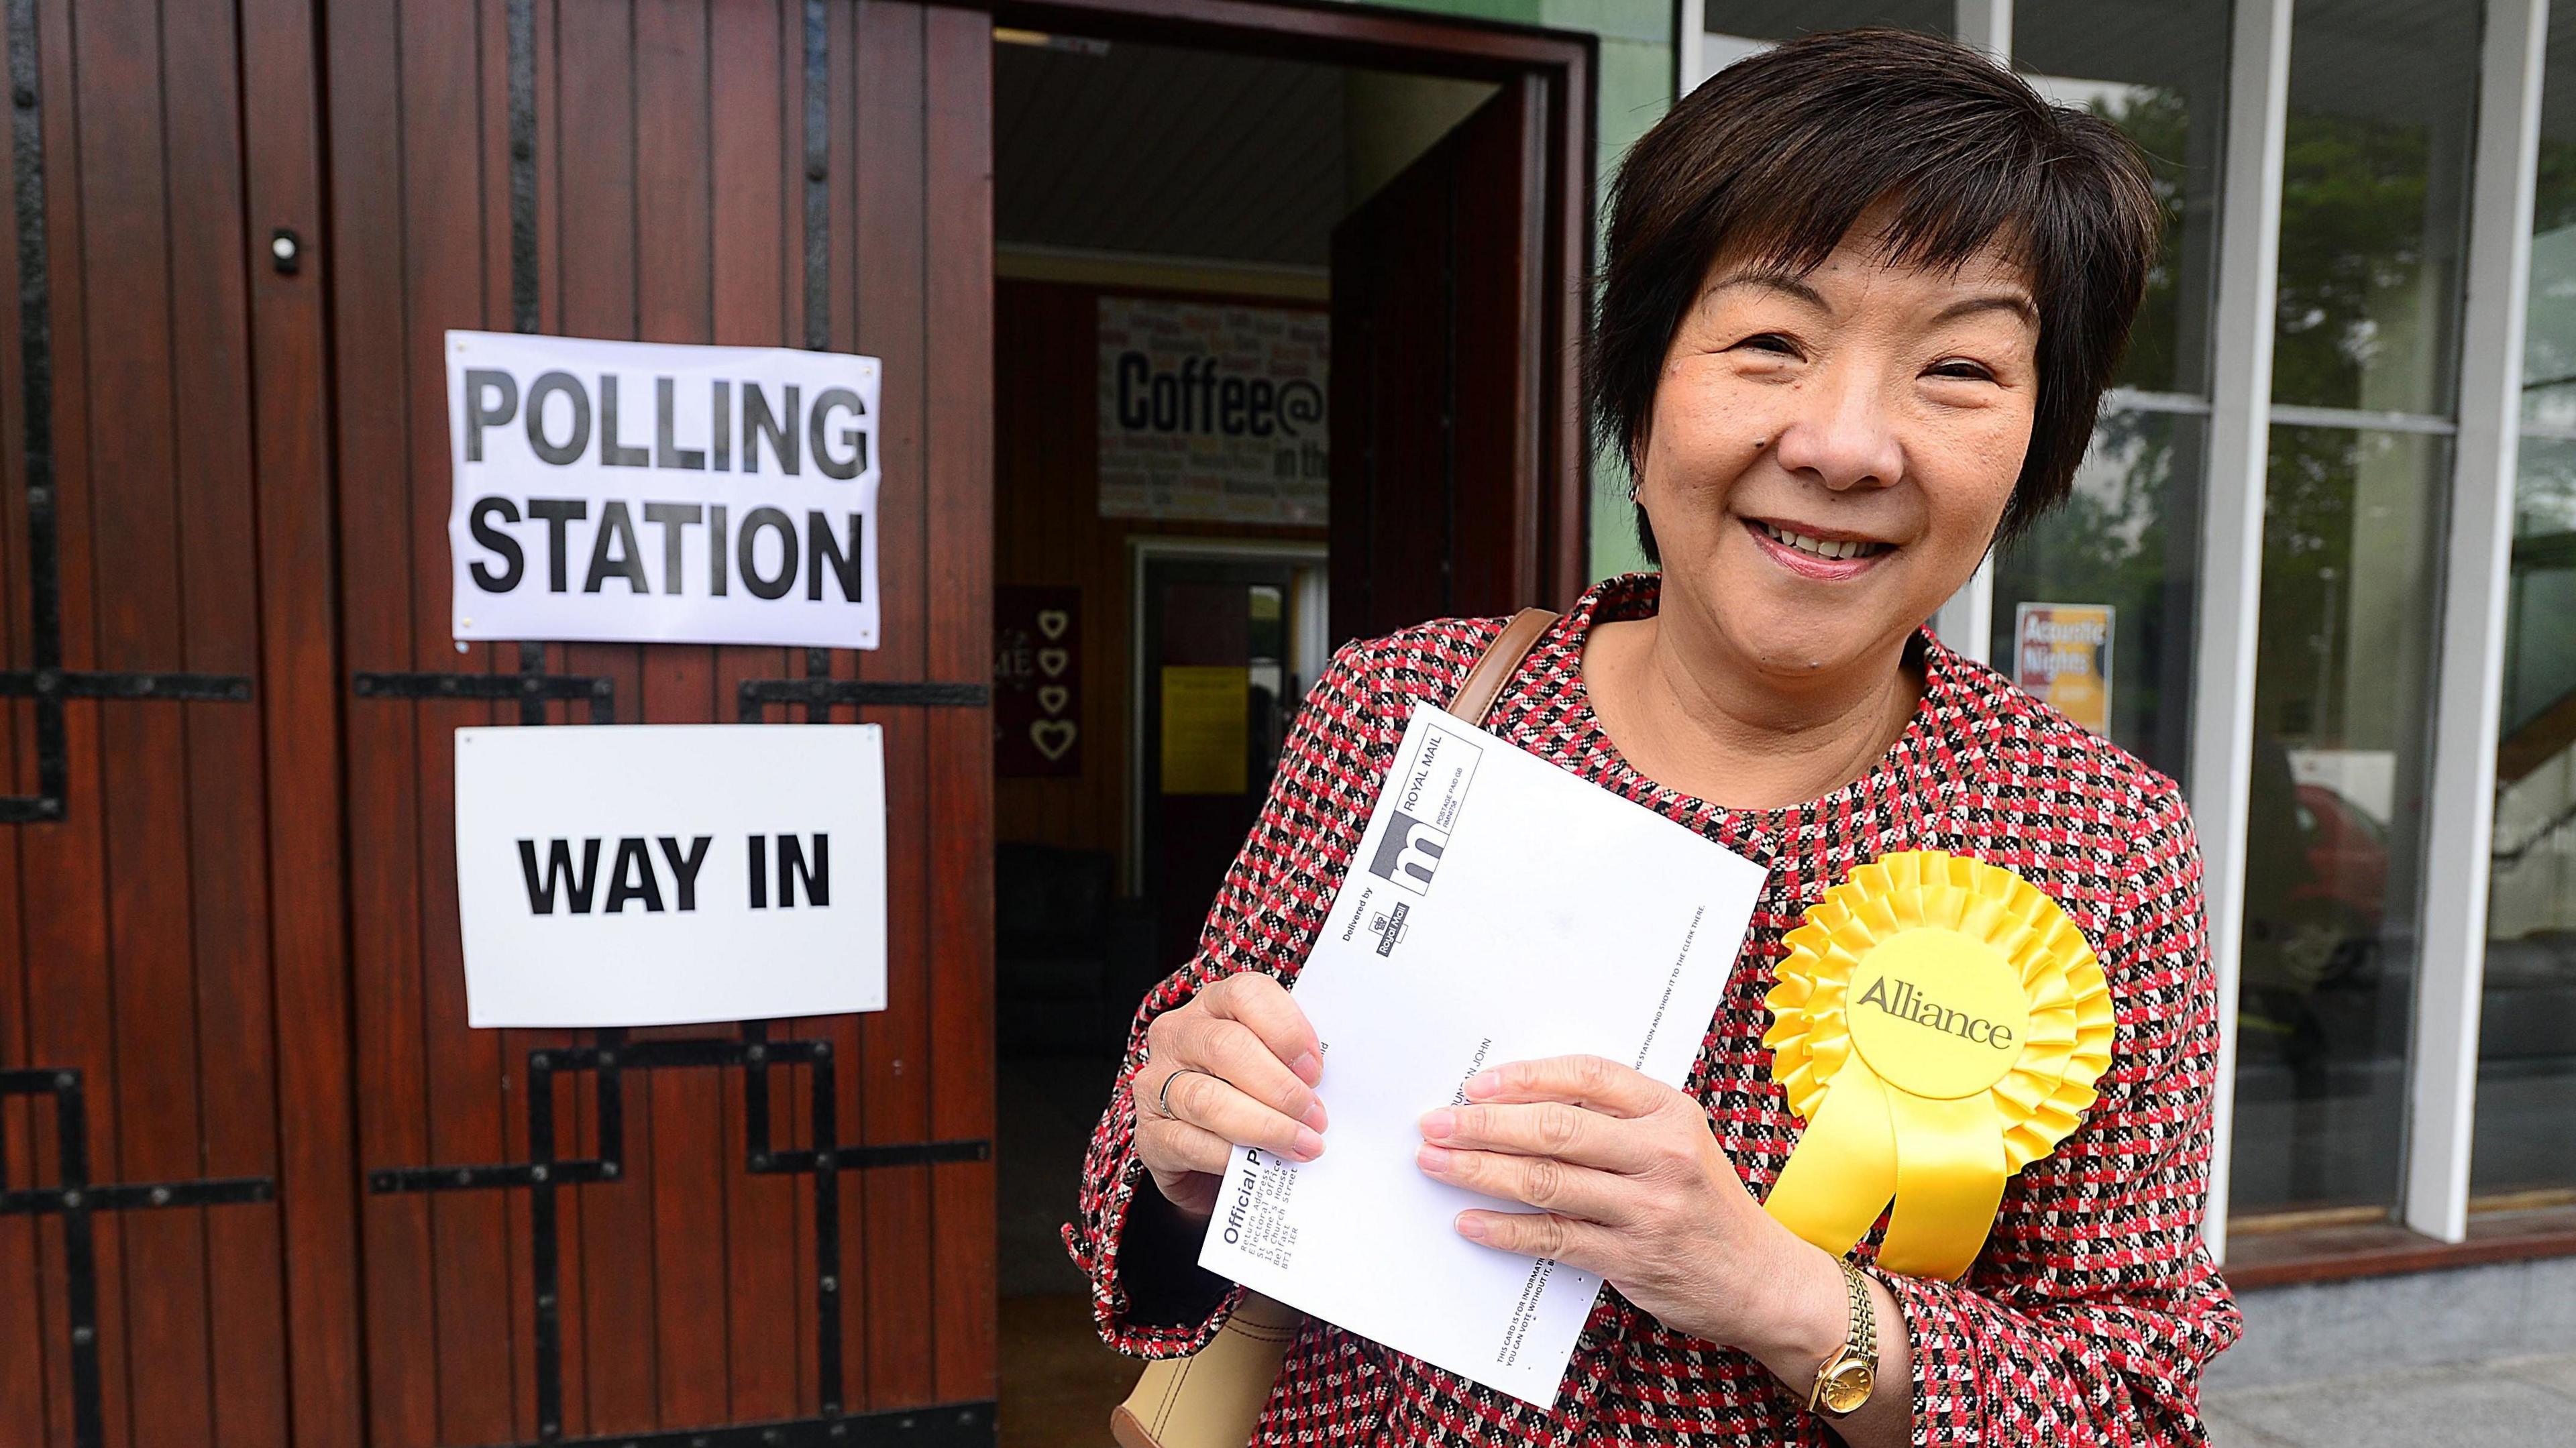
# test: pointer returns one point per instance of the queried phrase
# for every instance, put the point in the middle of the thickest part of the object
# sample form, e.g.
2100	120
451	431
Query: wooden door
168	825
1437	363
629	1233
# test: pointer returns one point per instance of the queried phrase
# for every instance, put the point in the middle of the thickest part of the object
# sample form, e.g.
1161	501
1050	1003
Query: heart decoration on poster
1037	682
1054	736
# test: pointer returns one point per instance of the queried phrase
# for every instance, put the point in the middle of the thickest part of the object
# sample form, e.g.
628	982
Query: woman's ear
1634	455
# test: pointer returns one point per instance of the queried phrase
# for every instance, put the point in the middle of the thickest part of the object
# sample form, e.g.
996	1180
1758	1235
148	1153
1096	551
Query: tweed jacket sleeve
1265	918
2089	1315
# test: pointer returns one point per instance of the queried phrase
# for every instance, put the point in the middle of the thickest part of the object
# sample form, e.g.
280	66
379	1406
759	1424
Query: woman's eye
1771	342
1962	370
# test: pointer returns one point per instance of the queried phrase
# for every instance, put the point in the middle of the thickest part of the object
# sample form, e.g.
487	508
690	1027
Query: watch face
1847	1385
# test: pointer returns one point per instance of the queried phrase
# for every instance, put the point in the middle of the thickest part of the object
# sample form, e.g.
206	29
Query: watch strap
1859	1346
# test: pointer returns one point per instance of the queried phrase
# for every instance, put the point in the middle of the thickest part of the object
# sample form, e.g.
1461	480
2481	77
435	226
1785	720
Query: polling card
1499	909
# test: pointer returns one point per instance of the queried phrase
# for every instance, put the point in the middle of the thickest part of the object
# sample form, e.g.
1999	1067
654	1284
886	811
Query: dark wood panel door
571	1234
168	811
259	1183
1437	357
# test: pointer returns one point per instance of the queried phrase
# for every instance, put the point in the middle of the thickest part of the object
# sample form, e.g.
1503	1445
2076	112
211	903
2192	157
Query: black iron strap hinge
606	1062
50	684
75	1199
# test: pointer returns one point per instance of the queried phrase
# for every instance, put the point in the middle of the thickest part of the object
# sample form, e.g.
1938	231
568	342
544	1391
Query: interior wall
1048	530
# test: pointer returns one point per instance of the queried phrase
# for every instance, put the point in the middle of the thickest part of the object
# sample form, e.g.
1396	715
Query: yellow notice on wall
1207	722
2062	655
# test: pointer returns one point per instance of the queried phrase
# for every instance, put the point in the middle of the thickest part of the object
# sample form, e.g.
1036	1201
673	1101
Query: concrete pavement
2519	1400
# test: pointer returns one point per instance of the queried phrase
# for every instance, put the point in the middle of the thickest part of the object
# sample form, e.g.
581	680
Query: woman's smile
1828	555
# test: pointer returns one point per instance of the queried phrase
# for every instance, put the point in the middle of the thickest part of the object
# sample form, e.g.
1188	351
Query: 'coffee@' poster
1213	412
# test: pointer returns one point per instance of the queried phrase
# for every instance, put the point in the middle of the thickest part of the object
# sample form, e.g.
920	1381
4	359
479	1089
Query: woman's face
1830	453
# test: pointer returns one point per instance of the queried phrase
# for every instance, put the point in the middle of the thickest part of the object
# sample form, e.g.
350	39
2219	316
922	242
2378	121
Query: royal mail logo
1408	853
1389	927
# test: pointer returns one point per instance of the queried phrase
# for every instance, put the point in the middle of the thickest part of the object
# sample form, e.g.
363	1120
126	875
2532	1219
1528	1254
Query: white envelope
1499	909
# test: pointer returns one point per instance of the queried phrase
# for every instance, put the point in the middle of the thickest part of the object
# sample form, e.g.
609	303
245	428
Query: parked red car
2347	856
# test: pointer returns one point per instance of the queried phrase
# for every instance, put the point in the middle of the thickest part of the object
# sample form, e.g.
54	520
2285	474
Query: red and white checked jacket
2087	1317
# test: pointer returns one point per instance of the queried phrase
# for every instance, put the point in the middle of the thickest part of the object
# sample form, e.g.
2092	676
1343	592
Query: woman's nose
1843	436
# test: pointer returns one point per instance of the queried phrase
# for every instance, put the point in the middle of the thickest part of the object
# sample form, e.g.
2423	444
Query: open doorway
1284	325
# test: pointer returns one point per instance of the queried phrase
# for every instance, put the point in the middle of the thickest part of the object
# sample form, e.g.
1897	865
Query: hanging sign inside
1213	412
642	875
642	493
2062	656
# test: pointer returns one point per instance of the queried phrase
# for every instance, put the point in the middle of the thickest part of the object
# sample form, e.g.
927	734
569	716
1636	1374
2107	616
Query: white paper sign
640	875
635	492
1499	909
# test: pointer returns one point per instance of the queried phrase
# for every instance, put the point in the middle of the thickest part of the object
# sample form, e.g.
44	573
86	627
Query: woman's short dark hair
1778	155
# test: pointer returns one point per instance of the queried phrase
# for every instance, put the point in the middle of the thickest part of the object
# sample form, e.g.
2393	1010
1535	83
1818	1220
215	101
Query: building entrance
1283	358
260	1180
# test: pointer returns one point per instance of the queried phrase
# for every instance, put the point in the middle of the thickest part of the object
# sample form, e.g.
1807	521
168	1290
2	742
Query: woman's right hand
1236	1066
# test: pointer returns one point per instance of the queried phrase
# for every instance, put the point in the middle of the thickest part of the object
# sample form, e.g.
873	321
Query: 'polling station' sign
640	875
636	492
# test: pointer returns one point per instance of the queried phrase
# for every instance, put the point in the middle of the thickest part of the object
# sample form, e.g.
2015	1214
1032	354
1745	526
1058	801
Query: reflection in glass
2158	70
2374	203
2527	1039
2127	537
2524	1153
2351	531
1732	23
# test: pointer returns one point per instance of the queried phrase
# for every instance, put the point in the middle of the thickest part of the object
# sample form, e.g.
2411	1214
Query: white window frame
2231	538
2469	680
1967	622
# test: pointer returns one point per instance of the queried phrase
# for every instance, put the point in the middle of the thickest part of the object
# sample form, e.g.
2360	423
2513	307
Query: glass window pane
2527	1039
2549	336
2374	197
2333	848
1769	20
2124	550
2158	70
2127	540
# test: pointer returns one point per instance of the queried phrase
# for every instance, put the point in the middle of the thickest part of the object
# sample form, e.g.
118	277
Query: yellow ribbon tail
1949	1181
1844	1169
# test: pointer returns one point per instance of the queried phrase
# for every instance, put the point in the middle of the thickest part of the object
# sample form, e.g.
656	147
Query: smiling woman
1864	292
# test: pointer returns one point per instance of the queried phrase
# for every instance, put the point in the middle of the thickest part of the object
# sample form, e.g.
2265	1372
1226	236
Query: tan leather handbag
1213	1398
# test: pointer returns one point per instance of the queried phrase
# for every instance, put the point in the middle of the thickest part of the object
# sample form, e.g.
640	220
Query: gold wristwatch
1845	1380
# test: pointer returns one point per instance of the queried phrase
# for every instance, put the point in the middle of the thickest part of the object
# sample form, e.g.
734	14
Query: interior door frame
1309	643
1562	65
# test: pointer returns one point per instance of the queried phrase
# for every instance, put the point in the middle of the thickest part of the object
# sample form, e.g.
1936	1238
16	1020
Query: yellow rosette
1939	1023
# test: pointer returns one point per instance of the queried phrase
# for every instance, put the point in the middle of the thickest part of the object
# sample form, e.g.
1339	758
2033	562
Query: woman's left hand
1632	1186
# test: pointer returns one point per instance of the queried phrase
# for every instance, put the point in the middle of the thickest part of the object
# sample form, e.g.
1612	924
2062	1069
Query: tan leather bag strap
1476	695
1213	1398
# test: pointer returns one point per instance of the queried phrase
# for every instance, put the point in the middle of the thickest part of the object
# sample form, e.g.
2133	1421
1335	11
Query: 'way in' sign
804	865
660	874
